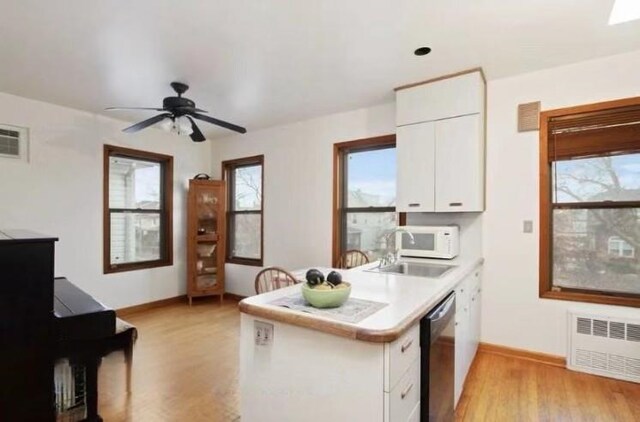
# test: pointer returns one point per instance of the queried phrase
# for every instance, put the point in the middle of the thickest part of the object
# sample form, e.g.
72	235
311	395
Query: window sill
245	261
137	266
604	299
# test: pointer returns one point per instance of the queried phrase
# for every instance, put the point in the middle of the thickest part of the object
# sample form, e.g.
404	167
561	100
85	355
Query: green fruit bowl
331	298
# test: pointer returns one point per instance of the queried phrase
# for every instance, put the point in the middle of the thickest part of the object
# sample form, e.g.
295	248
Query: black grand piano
42	320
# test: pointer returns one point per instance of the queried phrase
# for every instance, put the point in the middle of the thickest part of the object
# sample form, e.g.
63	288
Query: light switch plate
263	333
527	226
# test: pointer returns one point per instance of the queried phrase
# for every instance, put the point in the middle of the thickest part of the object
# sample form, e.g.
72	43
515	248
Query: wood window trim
338	149
545	261
227	166
167	209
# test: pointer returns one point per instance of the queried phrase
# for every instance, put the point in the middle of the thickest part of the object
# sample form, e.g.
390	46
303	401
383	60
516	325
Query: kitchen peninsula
294	364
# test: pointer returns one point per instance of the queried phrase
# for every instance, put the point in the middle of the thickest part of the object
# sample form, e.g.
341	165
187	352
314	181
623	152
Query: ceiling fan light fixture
624	11
166	124
183	126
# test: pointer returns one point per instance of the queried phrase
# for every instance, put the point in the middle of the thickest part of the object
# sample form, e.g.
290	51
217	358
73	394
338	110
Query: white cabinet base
467	327
308	375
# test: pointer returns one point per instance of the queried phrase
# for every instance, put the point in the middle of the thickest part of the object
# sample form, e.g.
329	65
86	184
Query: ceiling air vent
13	142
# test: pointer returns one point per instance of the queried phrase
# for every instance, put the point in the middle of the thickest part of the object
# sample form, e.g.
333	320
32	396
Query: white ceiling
260	63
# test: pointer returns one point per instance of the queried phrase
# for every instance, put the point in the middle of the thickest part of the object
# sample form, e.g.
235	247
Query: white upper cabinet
459	164
440	145
441	99
415	146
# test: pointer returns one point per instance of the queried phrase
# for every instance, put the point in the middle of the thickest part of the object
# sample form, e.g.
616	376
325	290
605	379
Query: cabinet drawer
399	355
405	395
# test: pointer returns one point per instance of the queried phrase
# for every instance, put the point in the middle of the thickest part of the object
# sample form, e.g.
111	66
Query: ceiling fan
178	116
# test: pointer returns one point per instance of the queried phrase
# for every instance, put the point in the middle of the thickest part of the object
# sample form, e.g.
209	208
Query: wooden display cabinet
206	238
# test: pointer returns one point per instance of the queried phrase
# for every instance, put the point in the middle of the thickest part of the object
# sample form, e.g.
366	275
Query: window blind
604	132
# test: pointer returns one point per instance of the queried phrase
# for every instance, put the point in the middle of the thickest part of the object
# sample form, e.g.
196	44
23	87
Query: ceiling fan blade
146	123
196	136
221	123
133	108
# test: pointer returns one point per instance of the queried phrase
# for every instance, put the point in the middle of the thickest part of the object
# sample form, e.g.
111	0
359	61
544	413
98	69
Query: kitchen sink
416	269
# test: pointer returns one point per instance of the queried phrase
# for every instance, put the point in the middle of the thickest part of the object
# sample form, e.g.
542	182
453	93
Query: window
619	247
138	198
590	203
364	196
244	187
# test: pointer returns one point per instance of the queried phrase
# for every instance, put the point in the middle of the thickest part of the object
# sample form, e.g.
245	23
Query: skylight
624	11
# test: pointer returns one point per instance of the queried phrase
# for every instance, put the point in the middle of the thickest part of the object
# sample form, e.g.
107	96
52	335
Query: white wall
513	315
59	192
298	177
298	173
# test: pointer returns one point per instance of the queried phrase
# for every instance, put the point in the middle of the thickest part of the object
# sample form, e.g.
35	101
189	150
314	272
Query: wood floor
185	369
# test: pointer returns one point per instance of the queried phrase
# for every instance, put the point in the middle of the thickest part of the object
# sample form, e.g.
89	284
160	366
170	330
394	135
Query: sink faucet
389	257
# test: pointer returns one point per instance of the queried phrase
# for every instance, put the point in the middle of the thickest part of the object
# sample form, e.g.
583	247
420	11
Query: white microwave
428	241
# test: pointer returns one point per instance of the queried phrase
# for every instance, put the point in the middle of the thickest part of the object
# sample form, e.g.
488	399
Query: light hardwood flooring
186	369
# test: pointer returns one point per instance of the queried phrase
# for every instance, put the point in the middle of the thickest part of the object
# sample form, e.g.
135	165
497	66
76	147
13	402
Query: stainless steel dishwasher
437	342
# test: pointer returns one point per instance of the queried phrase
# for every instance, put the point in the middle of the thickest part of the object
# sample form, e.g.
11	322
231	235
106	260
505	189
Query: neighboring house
366	231
616	232
133	236
597	248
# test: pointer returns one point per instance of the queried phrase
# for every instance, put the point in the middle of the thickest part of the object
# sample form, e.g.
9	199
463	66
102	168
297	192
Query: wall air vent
604	345
13	142
529	116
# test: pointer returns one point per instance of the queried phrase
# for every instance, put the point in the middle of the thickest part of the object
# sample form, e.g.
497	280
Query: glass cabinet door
208	216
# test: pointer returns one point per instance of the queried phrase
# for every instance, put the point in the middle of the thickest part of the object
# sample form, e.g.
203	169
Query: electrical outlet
527	226
263	333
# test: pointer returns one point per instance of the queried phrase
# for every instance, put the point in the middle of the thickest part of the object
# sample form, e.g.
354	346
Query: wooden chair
273	278
353	258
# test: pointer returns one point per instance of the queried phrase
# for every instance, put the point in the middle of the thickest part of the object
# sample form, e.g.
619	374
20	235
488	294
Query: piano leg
92	364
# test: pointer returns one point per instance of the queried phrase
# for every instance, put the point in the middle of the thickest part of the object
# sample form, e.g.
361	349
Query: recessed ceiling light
422	51
624	11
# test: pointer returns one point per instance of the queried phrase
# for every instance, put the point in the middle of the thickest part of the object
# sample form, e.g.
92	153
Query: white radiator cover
604	345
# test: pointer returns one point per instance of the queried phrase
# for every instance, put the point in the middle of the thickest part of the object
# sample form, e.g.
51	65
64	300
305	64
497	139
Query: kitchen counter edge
352	331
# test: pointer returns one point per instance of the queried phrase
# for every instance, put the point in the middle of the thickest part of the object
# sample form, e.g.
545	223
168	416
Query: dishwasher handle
440	316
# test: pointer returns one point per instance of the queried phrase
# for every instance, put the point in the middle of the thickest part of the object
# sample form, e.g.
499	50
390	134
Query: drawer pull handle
406	391
406	346
455	204
415	204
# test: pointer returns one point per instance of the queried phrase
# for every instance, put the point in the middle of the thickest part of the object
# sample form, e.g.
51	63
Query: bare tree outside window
244	178
368	192
594	248
590	203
